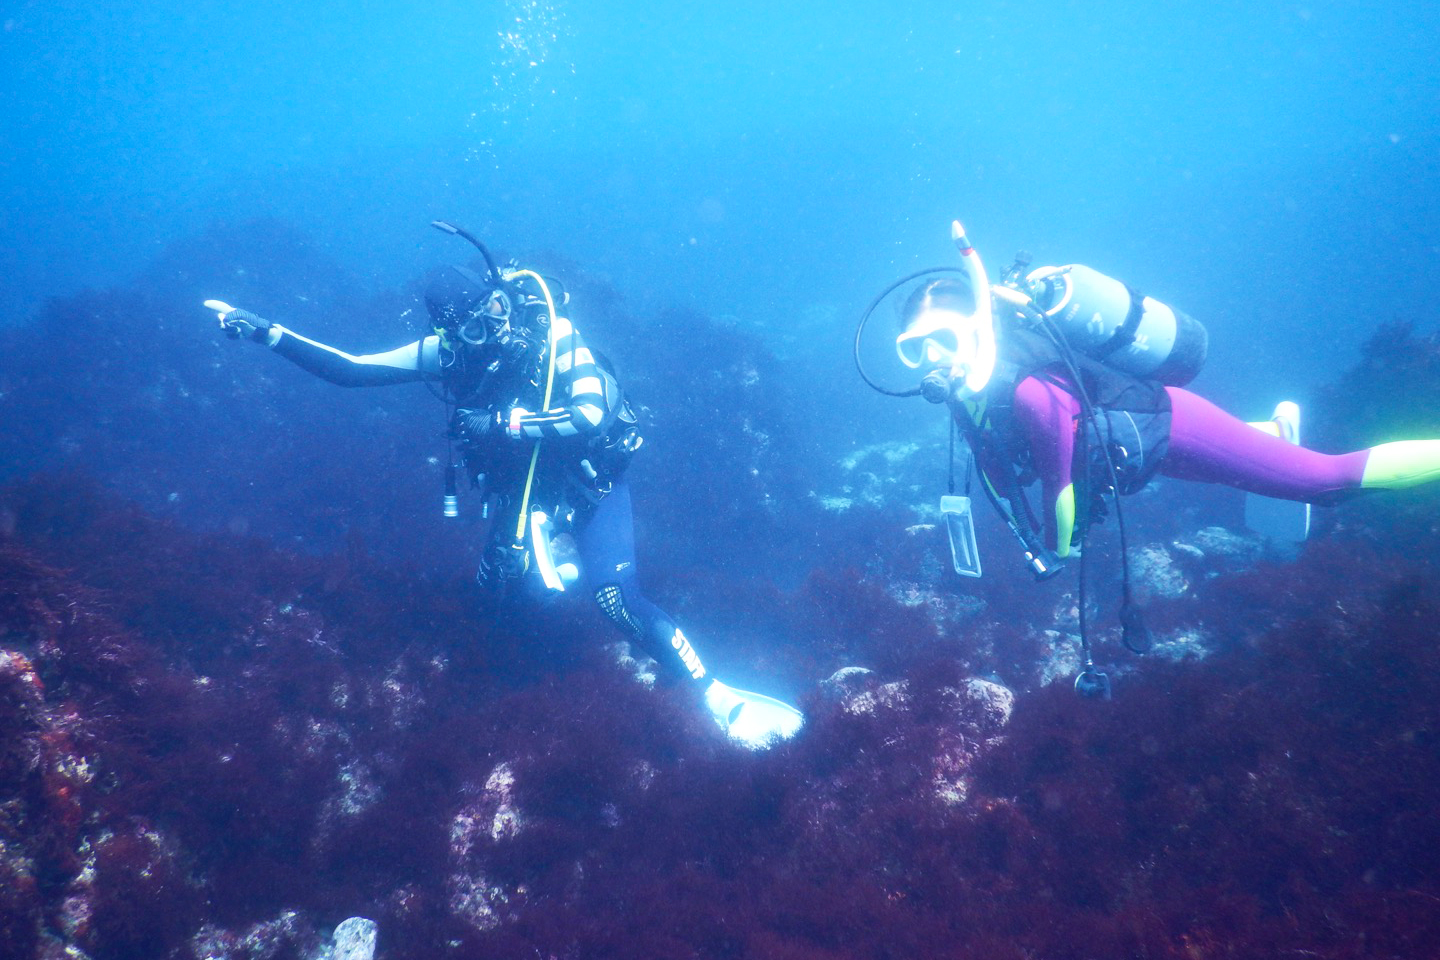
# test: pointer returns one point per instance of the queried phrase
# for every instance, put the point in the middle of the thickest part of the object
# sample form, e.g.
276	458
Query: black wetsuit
588	433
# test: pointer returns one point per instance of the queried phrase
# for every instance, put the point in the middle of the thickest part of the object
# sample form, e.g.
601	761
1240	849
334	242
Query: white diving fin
1281	521
752	719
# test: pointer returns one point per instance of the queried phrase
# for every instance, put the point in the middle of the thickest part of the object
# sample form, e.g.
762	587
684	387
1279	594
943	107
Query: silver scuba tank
1108	321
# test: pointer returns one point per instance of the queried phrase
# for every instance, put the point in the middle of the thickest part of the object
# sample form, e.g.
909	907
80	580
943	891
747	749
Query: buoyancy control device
1084	312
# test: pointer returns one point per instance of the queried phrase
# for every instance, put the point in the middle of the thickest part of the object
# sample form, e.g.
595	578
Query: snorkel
973	367
453	230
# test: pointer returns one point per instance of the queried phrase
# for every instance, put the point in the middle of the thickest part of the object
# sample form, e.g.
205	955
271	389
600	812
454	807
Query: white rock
354	940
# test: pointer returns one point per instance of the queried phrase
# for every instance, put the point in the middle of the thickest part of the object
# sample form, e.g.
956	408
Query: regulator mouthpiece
1092	684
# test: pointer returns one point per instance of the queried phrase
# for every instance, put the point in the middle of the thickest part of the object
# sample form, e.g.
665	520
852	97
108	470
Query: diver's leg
1402	463
607	549
1210	445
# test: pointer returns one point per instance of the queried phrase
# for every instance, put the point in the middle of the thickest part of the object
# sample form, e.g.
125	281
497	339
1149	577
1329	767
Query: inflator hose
549	383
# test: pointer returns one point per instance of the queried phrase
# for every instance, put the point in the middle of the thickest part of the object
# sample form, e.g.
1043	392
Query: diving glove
472	424
751	719
239	323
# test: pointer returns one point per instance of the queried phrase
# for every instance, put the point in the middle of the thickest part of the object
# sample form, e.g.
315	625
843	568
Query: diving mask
942	339
932	340
487	321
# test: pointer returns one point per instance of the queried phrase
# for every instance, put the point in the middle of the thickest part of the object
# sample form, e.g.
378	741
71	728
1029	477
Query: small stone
846	682
355	940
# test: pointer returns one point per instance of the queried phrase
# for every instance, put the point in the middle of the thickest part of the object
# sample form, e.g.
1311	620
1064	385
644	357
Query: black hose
450	228
865	318
1134	633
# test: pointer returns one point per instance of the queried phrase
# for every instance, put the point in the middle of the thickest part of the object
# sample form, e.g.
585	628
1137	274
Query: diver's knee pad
611	599
648	627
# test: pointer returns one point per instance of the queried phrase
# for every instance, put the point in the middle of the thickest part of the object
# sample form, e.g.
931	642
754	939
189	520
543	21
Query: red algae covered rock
299	752
214	746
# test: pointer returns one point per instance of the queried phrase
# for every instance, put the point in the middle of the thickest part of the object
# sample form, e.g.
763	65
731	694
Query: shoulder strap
1124	334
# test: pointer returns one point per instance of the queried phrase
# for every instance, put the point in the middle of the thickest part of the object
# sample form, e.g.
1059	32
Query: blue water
1266	167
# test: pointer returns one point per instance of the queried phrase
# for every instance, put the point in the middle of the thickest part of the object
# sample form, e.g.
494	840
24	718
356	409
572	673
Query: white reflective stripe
429	361
560	328
591	413
566	429
587	385
577	358
401	358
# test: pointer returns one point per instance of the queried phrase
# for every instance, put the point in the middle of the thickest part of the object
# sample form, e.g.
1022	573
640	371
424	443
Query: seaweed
230	720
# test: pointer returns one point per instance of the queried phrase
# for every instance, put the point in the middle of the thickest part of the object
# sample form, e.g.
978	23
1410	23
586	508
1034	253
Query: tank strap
1124	335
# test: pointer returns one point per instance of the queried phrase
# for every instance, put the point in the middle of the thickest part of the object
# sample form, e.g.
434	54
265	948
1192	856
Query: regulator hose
865	319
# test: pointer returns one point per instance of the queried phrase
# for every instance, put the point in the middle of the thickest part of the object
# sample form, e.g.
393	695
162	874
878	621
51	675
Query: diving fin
751	719
1282	521
555	553
960	526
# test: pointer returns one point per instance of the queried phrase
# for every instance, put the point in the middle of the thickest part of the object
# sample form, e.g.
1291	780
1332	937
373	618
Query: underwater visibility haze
250	684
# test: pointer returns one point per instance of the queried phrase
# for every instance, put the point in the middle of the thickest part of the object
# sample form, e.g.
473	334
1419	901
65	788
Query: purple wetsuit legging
1206	444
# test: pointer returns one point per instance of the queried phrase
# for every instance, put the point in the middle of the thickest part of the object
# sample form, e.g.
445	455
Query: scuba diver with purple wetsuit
545	433
1206	444
1067	377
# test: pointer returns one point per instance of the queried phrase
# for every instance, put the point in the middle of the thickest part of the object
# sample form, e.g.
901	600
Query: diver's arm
414	361
592	395
1046	415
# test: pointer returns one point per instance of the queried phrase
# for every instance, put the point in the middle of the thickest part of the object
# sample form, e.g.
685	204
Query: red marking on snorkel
966	251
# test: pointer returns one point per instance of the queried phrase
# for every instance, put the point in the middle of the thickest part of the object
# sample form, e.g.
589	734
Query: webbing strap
1124	335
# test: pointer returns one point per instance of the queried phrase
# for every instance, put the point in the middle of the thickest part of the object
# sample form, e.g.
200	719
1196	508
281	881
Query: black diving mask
490	321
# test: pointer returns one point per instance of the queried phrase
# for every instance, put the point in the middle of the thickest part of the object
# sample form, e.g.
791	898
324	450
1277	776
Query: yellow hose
549	383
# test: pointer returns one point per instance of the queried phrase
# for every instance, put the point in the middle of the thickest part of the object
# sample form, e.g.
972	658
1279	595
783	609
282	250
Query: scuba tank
1109	321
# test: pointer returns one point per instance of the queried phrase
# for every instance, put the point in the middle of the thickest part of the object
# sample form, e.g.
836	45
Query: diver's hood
453	293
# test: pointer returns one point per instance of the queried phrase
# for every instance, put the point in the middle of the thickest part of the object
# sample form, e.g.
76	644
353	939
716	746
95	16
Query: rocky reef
231	720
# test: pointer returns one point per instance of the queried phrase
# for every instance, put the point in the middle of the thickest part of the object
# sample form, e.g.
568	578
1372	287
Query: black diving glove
501	564
471	425
243	323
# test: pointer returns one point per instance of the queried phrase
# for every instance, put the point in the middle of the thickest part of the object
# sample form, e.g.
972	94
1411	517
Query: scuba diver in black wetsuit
544	429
